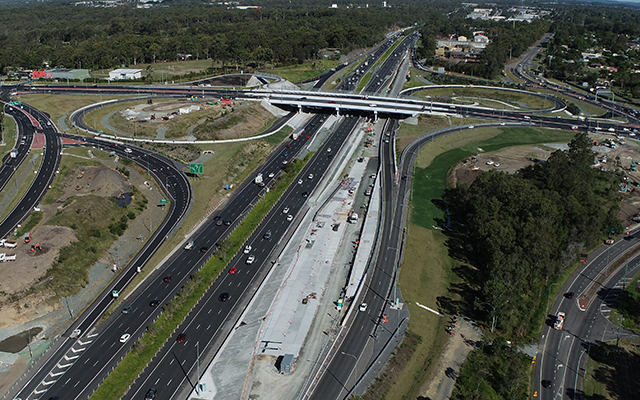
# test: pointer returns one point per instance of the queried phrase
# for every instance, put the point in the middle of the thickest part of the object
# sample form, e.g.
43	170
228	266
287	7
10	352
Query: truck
559	323
259	180
189	245
10	244
7	258
296	134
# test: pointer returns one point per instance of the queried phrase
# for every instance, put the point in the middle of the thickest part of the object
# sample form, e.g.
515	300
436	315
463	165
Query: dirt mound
233	125
97	180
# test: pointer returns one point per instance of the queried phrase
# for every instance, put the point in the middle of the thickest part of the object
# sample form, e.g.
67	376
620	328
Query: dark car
227	222
569	295
305	194
404	177
546	384
151	394
217	218
54	398
267	235
126	310
181	337
154	303
204	249
168	278
223	296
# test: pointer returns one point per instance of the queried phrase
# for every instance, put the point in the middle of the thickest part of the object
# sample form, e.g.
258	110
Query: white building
125	74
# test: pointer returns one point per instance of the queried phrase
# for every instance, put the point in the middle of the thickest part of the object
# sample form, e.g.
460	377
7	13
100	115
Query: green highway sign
164	201
195	168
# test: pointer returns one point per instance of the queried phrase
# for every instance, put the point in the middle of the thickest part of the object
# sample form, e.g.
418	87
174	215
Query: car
219	222
227	222
310	176
299	181
115	294
127	150
247	249
330	156
363	307
52	398
546	384
251	259
502	124
285	162
271	175
124	338
404	177
489	162
559	322
267	235
154	303
113	146
151	394
217	218
286	154
367	192
223	296
167	278
496	164
305	194
181	338
204	249
127	310
329	150
307	137
609	241
233	270
286	210
289	217
569	295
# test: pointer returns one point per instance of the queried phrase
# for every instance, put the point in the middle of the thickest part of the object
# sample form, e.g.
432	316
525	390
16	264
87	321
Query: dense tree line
520	231
110	37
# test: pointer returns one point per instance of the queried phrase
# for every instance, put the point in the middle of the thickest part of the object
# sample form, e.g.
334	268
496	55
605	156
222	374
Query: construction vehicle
5	258
9	244
559	322
35	247
27	239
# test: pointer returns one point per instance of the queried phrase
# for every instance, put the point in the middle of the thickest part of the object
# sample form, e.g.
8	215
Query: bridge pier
375	117
337	111
299	108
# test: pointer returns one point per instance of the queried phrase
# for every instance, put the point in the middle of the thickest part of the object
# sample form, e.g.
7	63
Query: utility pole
198	372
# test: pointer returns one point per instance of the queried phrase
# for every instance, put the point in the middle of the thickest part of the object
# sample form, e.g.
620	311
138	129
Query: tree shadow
618	369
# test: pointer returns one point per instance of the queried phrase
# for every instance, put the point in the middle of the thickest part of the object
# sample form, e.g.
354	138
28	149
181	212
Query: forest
518	233
113	37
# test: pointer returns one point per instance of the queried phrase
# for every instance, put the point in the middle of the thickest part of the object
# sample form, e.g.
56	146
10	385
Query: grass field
430	181
612	372
9	136
415	82
58	105
302	72
515	99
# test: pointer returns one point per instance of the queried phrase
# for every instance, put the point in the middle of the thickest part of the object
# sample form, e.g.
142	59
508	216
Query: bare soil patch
233	125
96	180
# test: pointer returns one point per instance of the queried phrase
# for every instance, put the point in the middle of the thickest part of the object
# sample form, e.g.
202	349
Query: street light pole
355	385
198	373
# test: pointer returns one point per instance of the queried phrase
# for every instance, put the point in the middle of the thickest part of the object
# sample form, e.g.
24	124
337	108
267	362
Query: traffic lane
277	224
92	374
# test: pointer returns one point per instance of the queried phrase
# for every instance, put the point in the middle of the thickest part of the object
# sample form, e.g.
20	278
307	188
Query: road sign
164	201
195	168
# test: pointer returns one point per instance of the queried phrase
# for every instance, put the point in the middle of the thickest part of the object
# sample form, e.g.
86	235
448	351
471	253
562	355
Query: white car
489	162
127	150
247	249
124	338
251	259
286	210
289	217
271	175
363	307
329	150
310	176
299	181
471	126
496	164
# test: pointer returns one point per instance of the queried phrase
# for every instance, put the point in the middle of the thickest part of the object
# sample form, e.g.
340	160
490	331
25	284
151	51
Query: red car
307	137
167	278
181	337
232	270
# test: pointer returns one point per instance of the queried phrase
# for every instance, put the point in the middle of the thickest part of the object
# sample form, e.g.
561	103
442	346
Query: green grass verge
474	94
128	369
415	81
9	136
430	182
302	72
30	223
23	186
